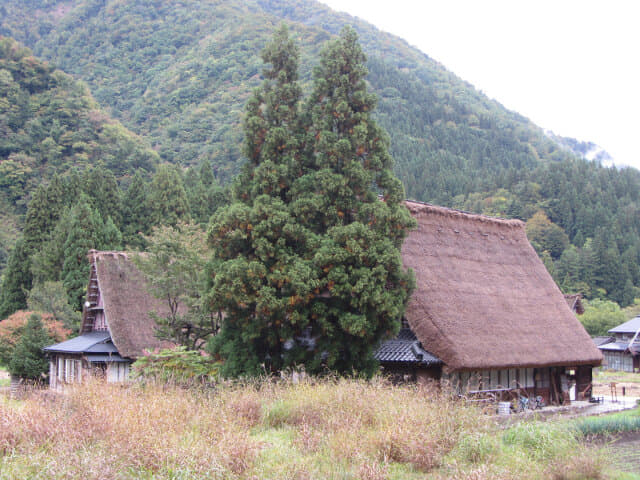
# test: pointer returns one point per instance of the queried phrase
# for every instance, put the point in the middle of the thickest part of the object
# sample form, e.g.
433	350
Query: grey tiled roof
89	342
602	340
615	346
632	326
405	348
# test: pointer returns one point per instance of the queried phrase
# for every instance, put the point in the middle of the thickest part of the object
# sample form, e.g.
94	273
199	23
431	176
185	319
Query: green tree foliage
173	270
101	186
43	212
204	193
167	199
178	74
307	266
176	365
85	231
46	263
28	359
364	286
51	297
135	213
544	235
50	123
600	316
16	281
261	279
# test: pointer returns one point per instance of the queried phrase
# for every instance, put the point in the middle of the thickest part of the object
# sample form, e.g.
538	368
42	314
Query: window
60	361
72	369
118	372
541	376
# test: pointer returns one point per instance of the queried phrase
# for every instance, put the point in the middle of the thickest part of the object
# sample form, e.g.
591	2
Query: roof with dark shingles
89	342
405	348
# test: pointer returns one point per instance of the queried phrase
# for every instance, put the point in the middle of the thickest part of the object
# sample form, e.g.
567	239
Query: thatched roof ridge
127	303
422	208
483	297
575	302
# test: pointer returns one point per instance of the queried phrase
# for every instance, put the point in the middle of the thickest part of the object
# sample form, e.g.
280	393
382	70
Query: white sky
570	66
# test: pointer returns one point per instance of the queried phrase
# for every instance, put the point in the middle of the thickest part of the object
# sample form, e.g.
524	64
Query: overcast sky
570	66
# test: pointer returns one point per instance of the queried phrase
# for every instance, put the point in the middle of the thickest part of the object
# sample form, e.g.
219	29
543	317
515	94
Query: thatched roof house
116	325
485	303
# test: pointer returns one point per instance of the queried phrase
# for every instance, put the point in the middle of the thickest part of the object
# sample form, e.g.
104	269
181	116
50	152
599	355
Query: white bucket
504	408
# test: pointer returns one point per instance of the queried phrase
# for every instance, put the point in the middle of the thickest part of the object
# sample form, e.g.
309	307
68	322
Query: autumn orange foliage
11	327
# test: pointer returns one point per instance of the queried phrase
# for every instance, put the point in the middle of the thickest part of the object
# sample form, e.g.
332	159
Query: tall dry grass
343	429
98	431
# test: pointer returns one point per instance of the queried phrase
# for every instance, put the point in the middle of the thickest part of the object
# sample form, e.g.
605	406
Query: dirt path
632	389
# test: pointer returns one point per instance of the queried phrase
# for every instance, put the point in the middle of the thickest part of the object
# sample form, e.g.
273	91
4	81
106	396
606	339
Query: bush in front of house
176	366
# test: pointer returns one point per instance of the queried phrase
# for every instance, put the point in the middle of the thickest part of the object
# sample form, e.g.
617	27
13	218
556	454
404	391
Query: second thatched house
486	316
116	325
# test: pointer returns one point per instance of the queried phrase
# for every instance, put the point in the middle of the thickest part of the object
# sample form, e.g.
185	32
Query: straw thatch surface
127	304
575	303
484	299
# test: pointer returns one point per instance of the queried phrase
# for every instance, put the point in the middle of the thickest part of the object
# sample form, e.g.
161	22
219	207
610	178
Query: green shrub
176	365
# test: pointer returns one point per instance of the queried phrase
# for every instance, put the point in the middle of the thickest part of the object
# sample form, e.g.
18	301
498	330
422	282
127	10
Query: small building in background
486	315
622	350
116	325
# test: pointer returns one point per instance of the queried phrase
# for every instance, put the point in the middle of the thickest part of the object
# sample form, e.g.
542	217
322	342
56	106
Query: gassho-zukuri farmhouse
485	315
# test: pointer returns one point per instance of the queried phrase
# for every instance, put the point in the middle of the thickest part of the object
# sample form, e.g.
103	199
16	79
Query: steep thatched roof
575	303
483	298
127	303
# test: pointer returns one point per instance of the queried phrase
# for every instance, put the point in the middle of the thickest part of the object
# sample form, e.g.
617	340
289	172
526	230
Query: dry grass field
330	429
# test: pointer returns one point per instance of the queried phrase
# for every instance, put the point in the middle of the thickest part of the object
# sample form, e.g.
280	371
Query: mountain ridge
178	75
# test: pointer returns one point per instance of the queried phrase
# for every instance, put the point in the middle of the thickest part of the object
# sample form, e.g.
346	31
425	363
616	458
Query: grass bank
5	378
341	429
608	376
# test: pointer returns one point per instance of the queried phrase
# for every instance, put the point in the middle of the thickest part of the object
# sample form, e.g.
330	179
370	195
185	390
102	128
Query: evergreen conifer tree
135	213
16	281
363	287
102	188
85	233
111	236
307	263
263	274
167	199
46	263
42	215
28	359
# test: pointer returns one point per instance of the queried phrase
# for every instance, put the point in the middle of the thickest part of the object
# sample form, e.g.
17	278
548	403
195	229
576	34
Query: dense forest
178	76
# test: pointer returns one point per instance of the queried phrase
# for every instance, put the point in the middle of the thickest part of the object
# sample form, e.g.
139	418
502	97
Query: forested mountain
49	123
179	73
